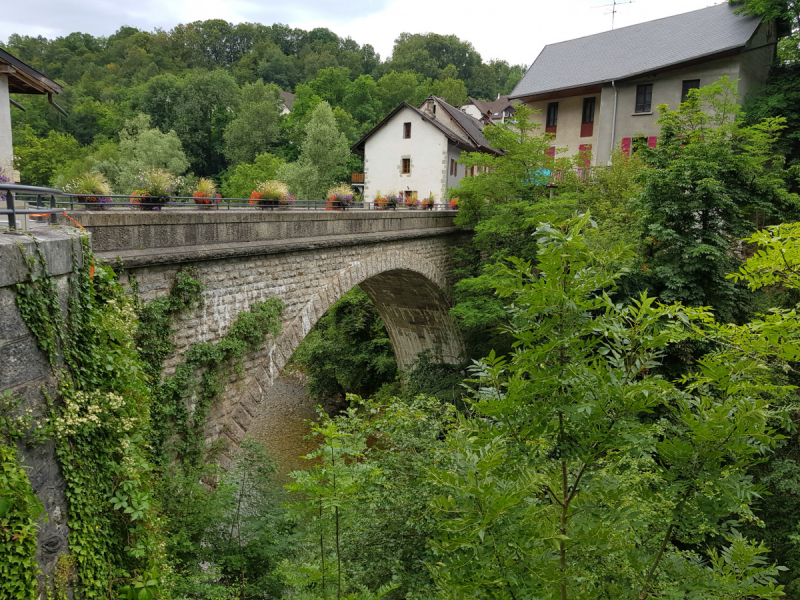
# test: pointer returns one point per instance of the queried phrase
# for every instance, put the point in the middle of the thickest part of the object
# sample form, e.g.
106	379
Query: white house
415	149
601	92
497	110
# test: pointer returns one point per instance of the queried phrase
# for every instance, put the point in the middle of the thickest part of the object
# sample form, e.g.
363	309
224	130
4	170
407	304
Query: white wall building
414	150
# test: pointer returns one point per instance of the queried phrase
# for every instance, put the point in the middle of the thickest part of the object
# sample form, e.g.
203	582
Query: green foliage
19	511
363	502
779	98
245	177
348	351
583	474
255	127
710	177
238	529
99	421
452	90
322	160
517	174
39	158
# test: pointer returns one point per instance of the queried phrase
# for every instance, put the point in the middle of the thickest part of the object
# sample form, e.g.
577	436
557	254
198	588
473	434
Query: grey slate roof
496	106
471	126
454	137
637	49
288	99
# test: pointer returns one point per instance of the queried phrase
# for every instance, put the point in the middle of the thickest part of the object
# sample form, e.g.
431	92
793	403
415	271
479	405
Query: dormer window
406	131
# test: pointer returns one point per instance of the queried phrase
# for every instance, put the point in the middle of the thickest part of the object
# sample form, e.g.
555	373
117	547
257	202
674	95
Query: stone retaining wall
26	371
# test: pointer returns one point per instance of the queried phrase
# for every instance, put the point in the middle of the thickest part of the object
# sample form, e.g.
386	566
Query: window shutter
625	146
551	152
652	141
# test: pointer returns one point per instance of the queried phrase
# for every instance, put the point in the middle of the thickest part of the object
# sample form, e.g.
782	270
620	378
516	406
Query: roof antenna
613	11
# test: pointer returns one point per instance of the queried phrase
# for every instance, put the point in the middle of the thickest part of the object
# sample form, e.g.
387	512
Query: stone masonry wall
406	279
26	371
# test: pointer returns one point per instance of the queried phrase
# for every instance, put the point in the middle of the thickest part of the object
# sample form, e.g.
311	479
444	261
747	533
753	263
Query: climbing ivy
177	431
99	418
19	511
19	507
107	352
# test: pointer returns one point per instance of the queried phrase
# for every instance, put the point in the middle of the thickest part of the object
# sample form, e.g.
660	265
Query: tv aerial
613	11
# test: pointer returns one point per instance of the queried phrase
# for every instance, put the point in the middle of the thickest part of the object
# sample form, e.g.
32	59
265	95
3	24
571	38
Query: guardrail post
53	216
12	216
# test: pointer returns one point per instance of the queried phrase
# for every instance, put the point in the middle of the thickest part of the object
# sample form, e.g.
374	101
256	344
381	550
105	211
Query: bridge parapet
146	238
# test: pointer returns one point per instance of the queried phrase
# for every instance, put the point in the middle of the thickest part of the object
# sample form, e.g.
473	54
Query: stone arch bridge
307	259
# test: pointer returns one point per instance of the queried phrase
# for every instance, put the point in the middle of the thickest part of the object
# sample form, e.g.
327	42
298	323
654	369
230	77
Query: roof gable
637	49
454	137
471	127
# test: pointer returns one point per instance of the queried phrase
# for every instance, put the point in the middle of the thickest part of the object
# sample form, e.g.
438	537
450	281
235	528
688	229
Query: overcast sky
513	30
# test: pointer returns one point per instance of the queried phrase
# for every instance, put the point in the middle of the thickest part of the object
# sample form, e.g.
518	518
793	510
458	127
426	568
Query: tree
141	148
204	107
256	125
376	495
323	156
331	84
38	159
362	101
452	90
242	181
583	474
710	177
779	97
430	53
348	351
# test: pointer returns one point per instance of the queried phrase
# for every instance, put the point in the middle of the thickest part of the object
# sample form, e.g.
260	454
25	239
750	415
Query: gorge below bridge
306	259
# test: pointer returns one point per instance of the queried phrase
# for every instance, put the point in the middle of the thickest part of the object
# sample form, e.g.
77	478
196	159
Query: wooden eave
23	79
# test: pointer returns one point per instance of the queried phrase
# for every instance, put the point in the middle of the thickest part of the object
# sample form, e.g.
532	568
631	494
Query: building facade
415	150
599	93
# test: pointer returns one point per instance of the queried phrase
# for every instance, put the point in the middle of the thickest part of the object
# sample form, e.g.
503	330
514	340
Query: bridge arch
408	291
406	285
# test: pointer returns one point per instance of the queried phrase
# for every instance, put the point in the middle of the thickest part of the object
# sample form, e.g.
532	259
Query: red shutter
551	152
585	152
587	129
625	145
652	141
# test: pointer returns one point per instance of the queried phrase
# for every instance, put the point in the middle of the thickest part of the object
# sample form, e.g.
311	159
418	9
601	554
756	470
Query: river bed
283	423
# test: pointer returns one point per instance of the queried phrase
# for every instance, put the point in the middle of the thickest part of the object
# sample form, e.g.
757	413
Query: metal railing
46	202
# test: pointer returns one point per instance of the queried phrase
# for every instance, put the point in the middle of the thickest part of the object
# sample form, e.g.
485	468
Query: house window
689	84
406	166
407	195
587	119
552	117
406	131
644	97
453	167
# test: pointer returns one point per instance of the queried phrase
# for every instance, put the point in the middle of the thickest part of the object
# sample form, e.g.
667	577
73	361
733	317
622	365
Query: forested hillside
216	85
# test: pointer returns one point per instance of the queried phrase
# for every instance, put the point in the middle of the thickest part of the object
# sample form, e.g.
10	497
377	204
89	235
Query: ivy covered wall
87	423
